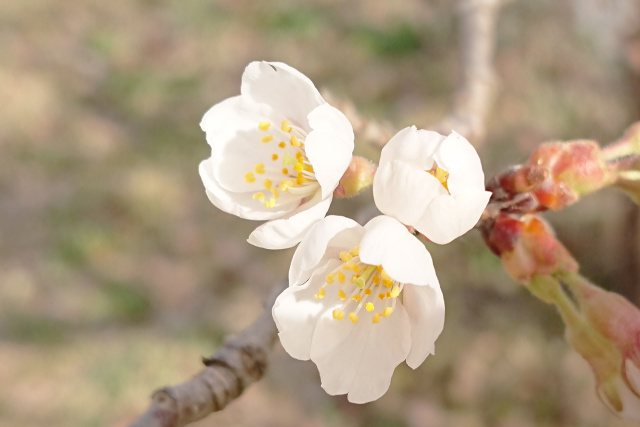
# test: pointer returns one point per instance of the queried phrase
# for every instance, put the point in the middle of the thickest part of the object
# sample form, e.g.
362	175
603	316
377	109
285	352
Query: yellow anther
387	283
381	296
338	314
387	312
369	306
286	126
384	275
342	295
285	171
388	294
367	291
330	278
249	178
267	184
395	292
320	294
354	318
299	156
355	251
295	142
299	167
345	256
284	185
275	192
376	280
270	203
356	268
259	168
264	126
440	174
274	157
308	168
288	160
375	319
356	298
258	196
266	138
341	277
282	144
300	179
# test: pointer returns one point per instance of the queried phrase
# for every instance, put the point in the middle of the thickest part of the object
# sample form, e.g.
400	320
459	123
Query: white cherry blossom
431	182
360	301
278	151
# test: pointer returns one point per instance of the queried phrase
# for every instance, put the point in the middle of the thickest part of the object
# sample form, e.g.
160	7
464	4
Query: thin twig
241	361
477	44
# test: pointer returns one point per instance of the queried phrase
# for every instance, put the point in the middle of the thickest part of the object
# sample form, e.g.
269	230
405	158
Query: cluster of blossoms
361	299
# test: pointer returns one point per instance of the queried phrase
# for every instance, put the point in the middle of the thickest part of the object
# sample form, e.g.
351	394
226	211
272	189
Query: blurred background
117	274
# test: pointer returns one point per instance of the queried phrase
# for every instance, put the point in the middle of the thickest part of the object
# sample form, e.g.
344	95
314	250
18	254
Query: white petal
388	243
458	157
360	359
239	204
412	146
447	217
339	232
633	375
284	88
404	192
285	232
425	307
630	401
296	313
329	146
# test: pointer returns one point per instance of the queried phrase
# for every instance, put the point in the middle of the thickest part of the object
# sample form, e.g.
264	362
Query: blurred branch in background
240	362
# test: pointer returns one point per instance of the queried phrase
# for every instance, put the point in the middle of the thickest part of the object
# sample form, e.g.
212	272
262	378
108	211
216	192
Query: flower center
440	174
359	286
287	169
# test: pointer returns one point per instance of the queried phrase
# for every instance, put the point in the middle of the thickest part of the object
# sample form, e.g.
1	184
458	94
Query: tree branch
477	44
240	362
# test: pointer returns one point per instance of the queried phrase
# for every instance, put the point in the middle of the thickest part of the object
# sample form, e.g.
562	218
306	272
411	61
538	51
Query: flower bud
575	168
528	247
357	177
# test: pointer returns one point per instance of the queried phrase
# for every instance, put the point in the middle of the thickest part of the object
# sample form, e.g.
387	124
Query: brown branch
477	43
241	361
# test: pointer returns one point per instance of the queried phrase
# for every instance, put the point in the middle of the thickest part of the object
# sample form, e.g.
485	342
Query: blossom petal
336	231
239	204
401	191
288	230
447	217
296	313
359	359
415	147
458	157
329	146
284	88
425	307
632	374
388	243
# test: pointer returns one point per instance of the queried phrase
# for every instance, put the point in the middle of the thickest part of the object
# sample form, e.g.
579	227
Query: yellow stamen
375	319
387	283
367	291
369	306
284	185
338	314
387	312
275	192
282	144
295	142
376	280
259	168
381	296
341	277
266	138
299	156
355	251
258	196
267	184
271	203
286	126
320	294
264	126
249	178
395	292
345	256
354	318
356	298
299	167
342	295
274	157
330	278
285	171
